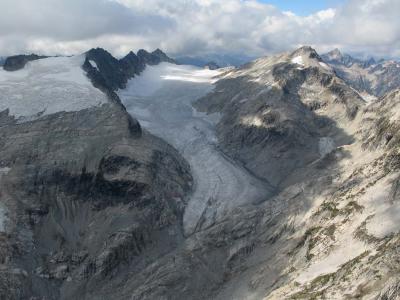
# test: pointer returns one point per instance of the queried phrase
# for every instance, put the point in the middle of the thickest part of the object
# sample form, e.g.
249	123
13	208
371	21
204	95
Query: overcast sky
196	27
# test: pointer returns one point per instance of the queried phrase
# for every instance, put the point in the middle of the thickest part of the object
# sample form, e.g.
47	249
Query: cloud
195	27
70	25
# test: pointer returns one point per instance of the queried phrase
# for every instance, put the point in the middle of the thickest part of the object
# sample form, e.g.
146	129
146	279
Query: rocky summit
138	178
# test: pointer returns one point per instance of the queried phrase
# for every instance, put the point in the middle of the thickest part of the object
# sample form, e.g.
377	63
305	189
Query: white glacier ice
47	86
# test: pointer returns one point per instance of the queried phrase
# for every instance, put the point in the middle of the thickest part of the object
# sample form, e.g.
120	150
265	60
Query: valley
161	99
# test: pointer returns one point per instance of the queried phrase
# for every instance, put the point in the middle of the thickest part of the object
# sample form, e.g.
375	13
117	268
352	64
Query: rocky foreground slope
332	229
93	206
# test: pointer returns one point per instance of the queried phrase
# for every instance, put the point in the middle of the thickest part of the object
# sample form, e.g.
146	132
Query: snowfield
48	86
161	100
298	60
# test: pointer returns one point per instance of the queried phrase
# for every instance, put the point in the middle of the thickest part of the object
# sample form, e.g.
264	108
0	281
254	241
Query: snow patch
326	145
48	86
4	171
252	121
350	248
383	218
368	97
93	64
298	60
384	208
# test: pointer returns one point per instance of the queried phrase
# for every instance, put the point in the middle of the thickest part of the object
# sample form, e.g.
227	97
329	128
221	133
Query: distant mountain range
222	60
367	76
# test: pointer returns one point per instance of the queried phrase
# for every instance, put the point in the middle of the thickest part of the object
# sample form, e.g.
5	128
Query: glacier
161	99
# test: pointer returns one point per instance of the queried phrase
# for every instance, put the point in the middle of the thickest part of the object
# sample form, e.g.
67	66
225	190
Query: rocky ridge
288	107
369	77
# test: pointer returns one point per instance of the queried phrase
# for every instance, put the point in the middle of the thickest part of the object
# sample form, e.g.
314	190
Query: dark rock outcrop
18	62
110	74
106	74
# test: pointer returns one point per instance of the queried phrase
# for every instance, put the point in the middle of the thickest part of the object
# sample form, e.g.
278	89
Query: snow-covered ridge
48	86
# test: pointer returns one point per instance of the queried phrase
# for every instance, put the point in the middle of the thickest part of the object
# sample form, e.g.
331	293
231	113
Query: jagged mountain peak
130	54
159	52
335	54
111	74
305	50
100	55
337	57
307	56
155	57
98	50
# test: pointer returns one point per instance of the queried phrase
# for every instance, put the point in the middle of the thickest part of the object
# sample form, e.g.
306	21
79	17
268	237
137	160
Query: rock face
18	62
110	74
87	195
371	77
